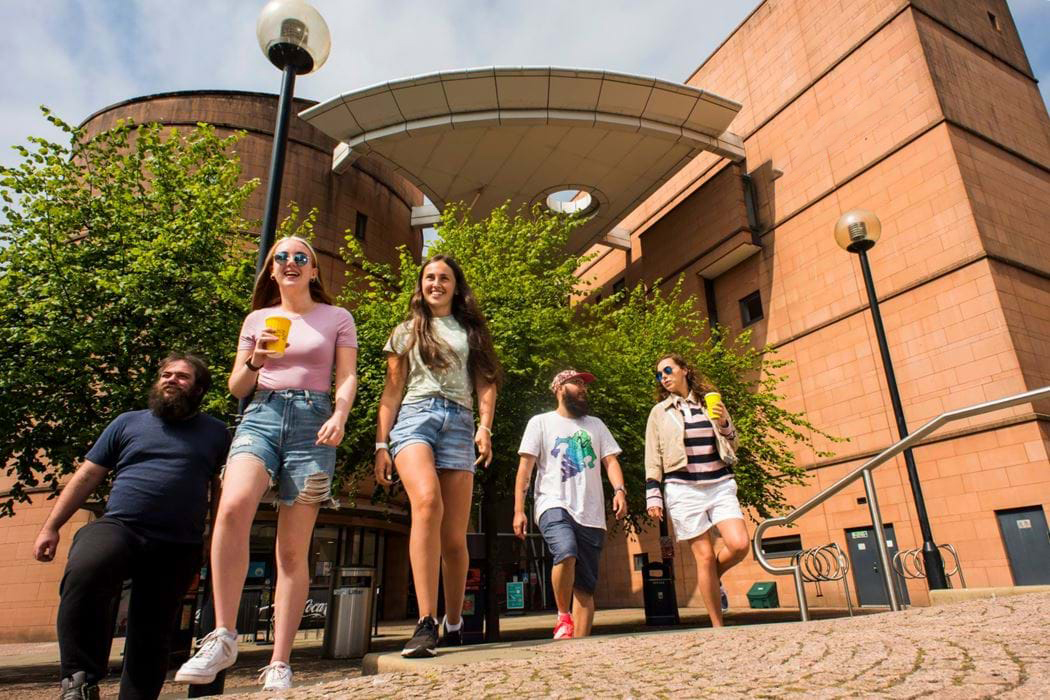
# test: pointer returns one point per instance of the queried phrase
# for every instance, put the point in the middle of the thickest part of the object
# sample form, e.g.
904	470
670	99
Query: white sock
449	627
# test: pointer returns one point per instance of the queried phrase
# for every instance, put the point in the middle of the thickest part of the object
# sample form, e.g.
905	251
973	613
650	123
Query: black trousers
104	554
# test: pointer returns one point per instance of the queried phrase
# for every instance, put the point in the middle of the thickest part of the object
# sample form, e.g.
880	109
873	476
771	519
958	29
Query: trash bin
763	595
661	603
474	608
348	627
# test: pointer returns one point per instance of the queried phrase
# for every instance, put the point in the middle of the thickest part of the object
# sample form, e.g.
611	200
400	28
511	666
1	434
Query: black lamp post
295	38
857	232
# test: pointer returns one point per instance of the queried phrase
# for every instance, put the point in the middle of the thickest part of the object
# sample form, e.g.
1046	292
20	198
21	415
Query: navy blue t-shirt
162	471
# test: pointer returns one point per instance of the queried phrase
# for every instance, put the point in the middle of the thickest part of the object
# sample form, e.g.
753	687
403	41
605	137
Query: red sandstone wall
911	112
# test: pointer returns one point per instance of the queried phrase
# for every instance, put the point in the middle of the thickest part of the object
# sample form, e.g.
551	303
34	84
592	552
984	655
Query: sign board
515	595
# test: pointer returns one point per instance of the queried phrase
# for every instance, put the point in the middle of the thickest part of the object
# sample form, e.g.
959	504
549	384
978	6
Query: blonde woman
287	439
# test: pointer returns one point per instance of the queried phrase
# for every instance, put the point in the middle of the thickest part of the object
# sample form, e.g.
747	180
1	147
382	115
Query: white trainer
217	652
276	676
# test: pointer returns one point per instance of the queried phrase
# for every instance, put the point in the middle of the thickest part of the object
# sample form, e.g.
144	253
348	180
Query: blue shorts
446	426
280	429
567	538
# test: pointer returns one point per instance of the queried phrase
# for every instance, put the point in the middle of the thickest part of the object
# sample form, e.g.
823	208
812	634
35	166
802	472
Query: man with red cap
568	445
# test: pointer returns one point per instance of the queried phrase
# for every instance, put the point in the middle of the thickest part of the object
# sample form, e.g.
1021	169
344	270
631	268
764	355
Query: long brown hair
482	362
694	379
267	293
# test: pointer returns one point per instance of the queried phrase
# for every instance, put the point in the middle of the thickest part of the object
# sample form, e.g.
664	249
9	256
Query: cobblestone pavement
986	648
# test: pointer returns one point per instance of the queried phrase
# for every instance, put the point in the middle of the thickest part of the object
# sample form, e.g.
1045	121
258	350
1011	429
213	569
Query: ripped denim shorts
279	428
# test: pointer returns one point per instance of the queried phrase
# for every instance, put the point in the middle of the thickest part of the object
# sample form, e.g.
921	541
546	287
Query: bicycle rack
864	472
909	564
823	565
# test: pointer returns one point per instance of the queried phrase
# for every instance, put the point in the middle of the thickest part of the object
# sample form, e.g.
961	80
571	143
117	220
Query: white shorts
694	508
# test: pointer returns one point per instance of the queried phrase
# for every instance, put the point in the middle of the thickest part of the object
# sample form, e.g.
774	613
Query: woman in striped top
682	456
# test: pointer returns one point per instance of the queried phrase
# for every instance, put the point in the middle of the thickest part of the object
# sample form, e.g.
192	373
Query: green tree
114	250
525	281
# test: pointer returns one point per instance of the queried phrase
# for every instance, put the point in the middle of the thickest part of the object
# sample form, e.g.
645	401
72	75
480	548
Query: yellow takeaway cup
711	400
280	327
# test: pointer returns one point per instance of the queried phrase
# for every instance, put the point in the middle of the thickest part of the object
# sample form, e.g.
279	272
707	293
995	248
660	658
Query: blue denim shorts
446	426
280	429
567	538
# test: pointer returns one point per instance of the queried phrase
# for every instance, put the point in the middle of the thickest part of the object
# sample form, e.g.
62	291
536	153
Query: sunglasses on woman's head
299	258
665	372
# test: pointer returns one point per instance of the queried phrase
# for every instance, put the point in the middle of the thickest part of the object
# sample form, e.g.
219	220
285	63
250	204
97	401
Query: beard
173	406
576	406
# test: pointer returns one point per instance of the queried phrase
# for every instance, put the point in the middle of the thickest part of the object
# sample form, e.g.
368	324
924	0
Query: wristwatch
621	489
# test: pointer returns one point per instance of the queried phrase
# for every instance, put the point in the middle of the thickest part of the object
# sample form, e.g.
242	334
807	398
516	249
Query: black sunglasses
299	258
665	373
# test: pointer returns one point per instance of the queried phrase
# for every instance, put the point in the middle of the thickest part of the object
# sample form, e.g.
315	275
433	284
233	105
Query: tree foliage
114	250
525	280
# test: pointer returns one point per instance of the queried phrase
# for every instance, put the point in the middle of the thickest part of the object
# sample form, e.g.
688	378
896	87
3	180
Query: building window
619	285
751	309
782	547
640	560
995	21
360	226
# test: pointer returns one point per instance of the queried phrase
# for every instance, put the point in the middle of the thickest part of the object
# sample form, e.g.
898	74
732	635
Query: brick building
926	113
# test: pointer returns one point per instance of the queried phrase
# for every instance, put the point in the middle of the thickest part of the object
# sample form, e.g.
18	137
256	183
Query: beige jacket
665	439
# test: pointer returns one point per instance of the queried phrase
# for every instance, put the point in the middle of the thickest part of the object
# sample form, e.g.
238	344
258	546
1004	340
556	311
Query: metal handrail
864	472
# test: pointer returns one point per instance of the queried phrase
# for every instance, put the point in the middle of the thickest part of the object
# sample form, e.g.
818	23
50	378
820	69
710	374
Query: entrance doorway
867	569
1027	543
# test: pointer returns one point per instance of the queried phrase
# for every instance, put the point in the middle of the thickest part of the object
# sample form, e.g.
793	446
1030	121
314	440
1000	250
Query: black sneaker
453	638
77	687
423	644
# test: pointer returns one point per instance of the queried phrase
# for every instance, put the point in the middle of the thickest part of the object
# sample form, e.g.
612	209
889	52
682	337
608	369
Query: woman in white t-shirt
436	361
683	454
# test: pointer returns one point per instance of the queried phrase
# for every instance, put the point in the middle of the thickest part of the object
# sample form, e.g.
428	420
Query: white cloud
80	55
77	56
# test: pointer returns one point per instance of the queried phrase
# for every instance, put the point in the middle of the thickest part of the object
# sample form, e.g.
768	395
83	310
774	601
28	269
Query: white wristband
382	446
484	427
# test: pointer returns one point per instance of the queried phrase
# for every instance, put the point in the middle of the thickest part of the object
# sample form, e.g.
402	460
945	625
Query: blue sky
79	55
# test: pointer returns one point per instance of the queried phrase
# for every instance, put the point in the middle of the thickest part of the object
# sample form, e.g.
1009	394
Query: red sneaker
564	628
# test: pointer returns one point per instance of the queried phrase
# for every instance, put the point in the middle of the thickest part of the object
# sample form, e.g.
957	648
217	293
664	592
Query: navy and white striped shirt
703	464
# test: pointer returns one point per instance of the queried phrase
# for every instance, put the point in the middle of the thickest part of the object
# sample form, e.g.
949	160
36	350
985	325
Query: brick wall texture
927	114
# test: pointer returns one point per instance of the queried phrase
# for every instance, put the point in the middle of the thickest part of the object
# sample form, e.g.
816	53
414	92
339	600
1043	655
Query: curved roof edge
504	88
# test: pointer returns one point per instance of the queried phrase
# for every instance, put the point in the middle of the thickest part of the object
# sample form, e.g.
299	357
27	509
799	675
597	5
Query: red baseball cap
569	374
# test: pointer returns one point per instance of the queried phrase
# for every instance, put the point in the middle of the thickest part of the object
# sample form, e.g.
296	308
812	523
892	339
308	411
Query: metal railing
909	563
864	472
824	564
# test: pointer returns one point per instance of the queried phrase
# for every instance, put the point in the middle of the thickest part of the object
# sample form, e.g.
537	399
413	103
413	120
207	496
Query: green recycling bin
763	595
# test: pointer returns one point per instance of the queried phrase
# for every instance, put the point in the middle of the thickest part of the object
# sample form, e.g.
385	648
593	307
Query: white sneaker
217	652
276	676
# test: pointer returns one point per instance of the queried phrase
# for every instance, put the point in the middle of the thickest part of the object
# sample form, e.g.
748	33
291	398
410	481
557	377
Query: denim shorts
280	429
446	426
567	538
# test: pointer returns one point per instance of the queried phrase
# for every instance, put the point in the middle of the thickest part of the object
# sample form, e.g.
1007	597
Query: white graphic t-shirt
569	454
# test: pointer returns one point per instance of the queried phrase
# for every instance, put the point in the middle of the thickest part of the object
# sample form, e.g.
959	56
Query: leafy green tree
525	282
628	334
114	250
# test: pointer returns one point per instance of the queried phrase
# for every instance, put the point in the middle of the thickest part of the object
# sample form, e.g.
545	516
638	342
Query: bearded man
568	447
164	460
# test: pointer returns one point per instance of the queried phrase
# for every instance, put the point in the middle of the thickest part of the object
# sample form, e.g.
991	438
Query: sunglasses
299	258
666	372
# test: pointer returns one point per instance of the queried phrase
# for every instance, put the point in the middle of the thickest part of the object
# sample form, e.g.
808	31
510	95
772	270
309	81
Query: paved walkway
976	649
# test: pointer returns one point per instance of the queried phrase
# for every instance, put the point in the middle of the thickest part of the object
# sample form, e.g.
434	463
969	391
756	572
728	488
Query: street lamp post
857	231
295	38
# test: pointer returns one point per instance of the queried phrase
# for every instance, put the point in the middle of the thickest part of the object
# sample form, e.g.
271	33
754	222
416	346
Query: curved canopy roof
484	136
